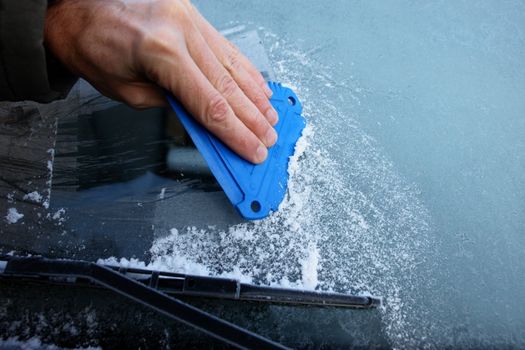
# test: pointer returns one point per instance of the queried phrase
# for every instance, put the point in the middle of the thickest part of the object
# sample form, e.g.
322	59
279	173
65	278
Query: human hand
131	50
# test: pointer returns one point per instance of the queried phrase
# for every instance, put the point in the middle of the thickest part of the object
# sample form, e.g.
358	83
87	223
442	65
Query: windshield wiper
156	289
225	288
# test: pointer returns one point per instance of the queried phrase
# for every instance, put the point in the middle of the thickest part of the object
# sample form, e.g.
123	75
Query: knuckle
233	60
151	32
246	144
261	101
259	79
156	40
217	111
233	48
149	41
261	125
137	101
227	86
137	105
255	121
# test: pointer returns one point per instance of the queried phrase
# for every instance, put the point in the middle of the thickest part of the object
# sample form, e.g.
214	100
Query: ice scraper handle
254	190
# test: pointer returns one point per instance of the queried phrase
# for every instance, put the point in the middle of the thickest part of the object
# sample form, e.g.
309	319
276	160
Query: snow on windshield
349	223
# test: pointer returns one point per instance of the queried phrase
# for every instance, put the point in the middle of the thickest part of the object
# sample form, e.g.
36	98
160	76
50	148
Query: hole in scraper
256	206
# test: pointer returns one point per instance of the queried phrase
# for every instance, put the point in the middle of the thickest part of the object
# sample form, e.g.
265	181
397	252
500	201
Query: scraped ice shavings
49	182
34	197
177	263
309	267
58	215
162	193
13	216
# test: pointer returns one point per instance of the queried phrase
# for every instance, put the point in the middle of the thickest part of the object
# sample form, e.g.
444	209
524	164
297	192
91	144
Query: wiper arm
69	270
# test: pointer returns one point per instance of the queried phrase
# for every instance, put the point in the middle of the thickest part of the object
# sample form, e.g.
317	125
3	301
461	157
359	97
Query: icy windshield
408	182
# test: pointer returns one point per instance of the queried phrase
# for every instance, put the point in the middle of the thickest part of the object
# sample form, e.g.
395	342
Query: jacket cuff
27	71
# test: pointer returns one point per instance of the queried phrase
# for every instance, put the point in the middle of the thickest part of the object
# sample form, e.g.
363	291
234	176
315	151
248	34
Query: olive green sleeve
27	71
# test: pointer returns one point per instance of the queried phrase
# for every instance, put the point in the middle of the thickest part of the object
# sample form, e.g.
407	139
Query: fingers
248	66
226	84
214	82
253	83
232	62
194	90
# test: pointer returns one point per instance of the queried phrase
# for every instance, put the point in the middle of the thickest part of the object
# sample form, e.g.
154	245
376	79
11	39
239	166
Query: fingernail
270	137
267	90
261	154
272	116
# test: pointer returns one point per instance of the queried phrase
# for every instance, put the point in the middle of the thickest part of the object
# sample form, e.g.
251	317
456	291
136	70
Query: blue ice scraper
254	190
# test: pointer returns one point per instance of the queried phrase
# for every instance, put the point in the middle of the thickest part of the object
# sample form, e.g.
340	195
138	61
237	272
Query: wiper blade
68	271
233	289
